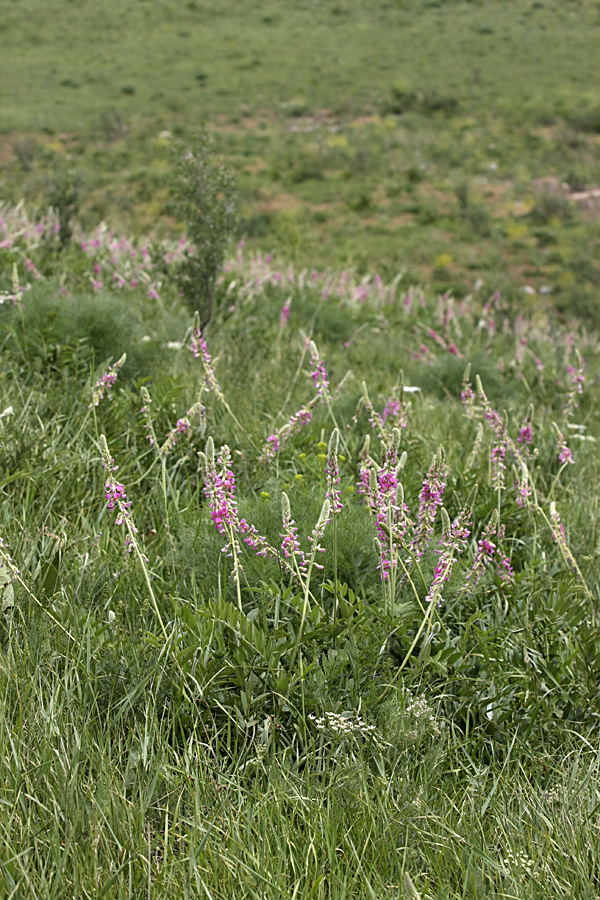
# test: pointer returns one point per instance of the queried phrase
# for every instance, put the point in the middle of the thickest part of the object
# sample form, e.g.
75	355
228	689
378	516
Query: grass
412	145
170	730
207	687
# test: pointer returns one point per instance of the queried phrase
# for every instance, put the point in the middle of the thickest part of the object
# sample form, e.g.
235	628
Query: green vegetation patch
318	580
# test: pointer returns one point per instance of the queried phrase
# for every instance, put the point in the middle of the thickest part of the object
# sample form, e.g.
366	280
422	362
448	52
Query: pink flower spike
485	552
564	453
558	533
284	315
116	498
200	351
319	373
279	438
332	474
430	498
106	381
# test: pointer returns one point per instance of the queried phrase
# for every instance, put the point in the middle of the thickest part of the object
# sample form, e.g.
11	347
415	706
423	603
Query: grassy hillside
519	59
450	140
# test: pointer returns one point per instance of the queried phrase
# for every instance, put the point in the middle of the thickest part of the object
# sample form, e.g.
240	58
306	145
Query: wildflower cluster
284	315
420	711
376	421
290	545
395	413
519	861
343	725
565	456
503	448
522	485
384	495
318	532
526	430
504	569
485	551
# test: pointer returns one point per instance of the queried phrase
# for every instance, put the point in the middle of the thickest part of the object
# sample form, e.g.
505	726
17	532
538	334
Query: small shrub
206	200
549	207
26	151
63	193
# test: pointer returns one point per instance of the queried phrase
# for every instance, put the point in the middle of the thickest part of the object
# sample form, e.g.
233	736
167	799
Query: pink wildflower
290	545
485	552
279	438
522	487
200	351
332	474
319	373
565	455
526	433
577	383
558	533
497	459
392	408
219	489
453	541
116	498
106	381
430	498
284	315
467	395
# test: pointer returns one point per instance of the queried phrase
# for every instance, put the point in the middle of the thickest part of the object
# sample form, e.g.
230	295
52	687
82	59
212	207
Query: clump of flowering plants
302	479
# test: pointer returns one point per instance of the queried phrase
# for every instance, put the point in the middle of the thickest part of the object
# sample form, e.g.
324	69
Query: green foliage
59	333
206	201
224	733
63	192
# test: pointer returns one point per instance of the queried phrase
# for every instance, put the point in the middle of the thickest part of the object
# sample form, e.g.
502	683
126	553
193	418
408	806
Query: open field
449	140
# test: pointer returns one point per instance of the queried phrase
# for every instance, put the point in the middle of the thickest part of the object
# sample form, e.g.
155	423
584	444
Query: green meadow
448	140
302	602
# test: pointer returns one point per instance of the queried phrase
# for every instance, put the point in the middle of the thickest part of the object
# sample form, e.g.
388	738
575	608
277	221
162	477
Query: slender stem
426	622
236	564
335	577
304	608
